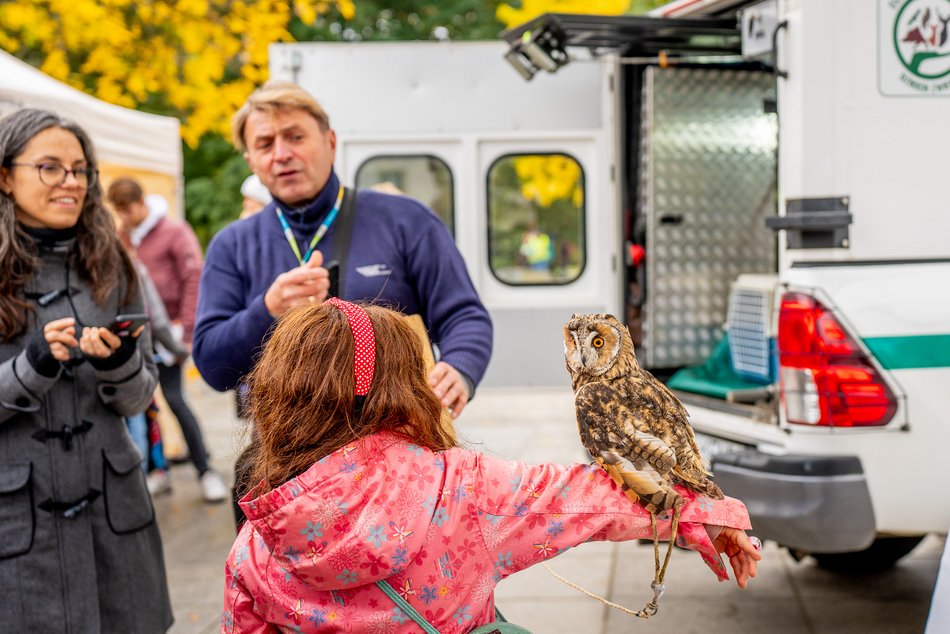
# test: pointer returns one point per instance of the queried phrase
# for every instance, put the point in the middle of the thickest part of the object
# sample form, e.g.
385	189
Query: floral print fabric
443	529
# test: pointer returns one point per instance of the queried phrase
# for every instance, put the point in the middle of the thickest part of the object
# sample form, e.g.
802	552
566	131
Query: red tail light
827	379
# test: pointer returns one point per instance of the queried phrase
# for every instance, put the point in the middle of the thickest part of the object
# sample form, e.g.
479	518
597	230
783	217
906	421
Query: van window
426	178
536	219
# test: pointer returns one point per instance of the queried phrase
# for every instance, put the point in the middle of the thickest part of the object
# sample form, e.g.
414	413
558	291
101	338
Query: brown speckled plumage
627	419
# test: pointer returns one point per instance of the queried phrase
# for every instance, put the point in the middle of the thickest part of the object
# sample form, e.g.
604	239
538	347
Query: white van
756	188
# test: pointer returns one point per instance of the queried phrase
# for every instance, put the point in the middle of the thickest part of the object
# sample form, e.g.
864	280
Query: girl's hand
60	335
742	553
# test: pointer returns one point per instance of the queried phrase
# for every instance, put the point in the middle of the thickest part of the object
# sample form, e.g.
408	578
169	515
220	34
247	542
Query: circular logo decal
922	37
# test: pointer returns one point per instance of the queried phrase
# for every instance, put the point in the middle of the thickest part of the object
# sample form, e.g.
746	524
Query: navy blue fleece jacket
401	255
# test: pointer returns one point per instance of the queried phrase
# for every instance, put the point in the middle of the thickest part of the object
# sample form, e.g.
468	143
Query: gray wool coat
80	549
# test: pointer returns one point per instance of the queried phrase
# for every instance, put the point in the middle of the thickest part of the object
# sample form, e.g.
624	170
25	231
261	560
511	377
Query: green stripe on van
902	353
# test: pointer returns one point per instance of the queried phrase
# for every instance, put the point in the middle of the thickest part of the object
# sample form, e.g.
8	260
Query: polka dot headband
364	360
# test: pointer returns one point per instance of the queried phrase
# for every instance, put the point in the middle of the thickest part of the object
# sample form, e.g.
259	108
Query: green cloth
715	377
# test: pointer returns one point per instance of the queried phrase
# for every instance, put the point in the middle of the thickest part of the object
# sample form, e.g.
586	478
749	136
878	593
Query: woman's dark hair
97	255
301	392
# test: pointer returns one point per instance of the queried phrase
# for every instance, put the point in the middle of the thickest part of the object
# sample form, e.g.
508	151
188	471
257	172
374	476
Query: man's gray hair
276	95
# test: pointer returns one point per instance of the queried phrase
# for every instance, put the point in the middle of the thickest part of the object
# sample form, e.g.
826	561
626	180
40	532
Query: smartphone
333	269
125	325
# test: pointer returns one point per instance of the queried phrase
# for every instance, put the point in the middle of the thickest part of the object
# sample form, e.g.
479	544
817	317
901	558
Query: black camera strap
343	231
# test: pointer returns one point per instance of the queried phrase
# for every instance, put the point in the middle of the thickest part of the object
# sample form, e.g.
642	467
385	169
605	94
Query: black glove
40	357
122	354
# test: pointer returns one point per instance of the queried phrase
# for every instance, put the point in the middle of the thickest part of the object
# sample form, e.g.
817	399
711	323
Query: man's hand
742	554
449	387
308	282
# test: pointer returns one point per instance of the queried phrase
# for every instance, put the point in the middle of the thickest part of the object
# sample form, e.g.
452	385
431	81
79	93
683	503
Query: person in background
147	436
169	250
361	484
536	249
398	252
170	349
255	196
79	545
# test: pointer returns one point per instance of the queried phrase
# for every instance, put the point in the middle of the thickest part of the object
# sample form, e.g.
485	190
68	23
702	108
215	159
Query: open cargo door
707	181
698	142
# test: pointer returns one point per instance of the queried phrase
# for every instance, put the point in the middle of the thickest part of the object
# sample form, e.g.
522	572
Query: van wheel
881	555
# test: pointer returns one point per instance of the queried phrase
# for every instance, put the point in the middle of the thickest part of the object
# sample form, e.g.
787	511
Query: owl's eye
598	342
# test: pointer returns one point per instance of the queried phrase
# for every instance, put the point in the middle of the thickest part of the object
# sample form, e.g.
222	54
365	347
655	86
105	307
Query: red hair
301	392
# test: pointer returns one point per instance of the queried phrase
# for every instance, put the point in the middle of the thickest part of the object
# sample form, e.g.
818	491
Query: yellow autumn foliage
201	57
546	178
511	16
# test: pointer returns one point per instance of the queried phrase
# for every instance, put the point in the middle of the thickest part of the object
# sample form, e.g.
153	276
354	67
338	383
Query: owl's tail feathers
700	483
712	490
646	488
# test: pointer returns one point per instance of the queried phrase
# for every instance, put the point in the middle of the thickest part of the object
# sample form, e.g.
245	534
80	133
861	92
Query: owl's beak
586	360
574	359
577	360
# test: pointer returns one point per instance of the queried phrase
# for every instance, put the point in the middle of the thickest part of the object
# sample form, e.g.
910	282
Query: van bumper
818	504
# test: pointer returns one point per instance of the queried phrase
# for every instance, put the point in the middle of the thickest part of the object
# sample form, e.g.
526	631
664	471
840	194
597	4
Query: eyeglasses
54	175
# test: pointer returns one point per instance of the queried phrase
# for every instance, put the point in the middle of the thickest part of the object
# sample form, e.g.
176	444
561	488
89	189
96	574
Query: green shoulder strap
405	607
501	625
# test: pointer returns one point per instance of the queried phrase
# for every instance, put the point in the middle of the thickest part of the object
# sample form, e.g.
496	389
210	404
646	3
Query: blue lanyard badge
321	230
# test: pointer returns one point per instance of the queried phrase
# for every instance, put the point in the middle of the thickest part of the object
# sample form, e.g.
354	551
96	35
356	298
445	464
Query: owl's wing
638	461
689	468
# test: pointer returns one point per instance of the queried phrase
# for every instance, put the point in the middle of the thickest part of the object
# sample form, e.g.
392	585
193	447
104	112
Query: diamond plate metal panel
707	181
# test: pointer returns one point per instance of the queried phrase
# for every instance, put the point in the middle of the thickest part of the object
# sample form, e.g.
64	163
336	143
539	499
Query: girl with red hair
363	490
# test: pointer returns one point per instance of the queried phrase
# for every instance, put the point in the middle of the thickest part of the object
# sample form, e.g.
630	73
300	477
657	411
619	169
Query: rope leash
657	586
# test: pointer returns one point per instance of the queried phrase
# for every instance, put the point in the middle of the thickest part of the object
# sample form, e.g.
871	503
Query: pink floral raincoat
442	528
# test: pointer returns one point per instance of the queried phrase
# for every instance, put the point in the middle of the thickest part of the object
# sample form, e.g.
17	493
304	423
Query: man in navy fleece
400	253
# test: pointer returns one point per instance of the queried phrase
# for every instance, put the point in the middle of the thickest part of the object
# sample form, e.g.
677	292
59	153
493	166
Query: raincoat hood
328	525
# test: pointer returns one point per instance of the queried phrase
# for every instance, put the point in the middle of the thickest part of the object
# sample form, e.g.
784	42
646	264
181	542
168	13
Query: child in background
143	427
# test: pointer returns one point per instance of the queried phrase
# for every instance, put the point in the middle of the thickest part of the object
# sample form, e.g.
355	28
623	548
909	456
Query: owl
631	423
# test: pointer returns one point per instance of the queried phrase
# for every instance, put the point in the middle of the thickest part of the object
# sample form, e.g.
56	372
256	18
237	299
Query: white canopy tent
128	143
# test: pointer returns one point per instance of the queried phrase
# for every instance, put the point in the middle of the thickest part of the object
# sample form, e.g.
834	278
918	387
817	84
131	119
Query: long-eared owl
628	420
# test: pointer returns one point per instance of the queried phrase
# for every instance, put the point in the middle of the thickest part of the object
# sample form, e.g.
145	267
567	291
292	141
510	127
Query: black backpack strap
342	239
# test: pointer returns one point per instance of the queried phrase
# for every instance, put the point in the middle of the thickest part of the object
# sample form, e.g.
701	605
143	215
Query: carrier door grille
749	312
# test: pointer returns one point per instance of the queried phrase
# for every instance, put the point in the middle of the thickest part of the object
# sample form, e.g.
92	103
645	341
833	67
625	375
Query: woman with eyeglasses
79	546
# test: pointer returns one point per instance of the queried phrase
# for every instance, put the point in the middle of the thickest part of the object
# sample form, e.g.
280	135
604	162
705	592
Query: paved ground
787	597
